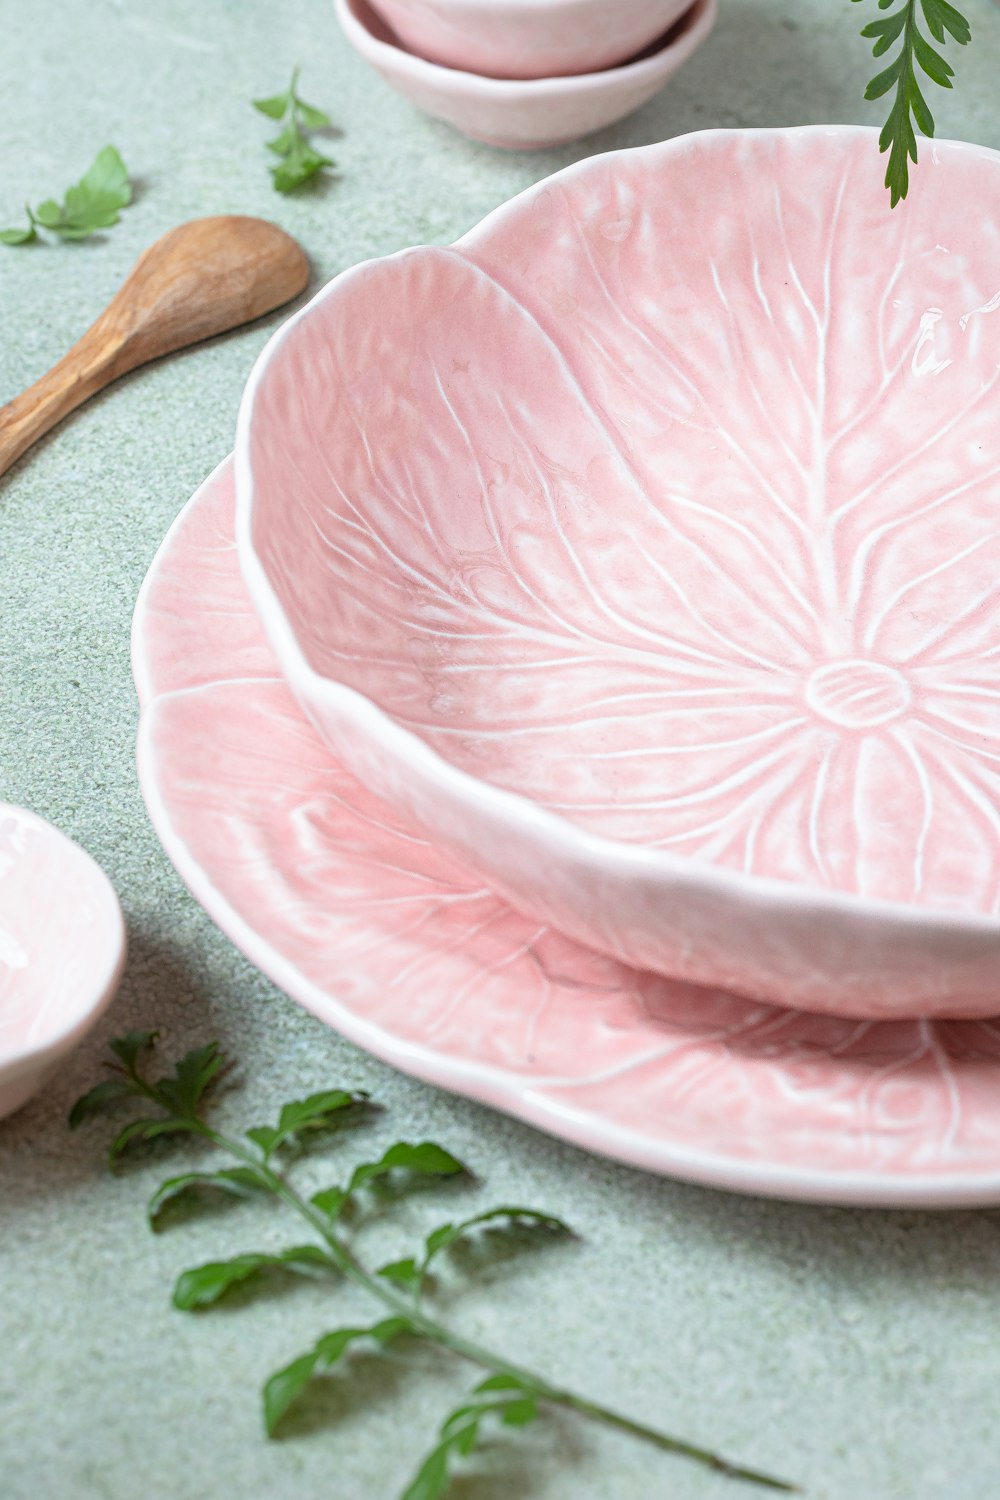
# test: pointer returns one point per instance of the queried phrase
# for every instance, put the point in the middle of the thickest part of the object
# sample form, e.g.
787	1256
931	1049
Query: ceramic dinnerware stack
580	689
526	73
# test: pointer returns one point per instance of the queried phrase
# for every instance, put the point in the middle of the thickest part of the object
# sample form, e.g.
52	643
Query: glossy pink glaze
62	946
529	38
523	114
364	921
658	517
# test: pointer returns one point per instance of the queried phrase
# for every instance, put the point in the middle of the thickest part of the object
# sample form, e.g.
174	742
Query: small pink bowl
62	949
529	38
523	114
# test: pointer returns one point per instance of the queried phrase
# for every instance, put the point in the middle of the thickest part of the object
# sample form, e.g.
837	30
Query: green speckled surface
856	1351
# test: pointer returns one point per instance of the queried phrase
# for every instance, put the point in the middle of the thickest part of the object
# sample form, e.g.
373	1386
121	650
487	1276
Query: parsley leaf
300	161
204	1285
285	1384
91	204
515	1405
238	1182
509	1396
909	105
320	1111
20	236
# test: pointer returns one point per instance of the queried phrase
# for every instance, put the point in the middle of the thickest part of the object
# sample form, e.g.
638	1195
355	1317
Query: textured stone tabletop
857	1351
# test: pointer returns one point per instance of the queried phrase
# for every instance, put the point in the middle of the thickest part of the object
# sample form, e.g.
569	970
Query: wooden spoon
194	282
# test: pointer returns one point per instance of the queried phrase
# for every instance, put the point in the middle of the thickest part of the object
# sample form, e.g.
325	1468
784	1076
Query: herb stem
463	1348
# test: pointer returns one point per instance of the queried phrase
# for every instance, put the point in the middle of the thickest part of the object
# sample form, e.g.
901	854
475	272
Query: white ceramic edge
517	90
769	895
493	1086
39	1058
521	4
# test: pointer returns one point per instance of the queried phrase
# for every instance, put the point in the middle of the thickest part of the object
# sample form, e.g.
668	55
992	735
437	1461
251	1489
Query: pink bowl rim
57	1043
691	28
567	841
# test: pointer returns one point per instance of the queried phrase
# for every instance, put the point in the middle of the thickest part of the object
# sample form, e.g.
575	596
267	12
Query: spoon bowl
199	280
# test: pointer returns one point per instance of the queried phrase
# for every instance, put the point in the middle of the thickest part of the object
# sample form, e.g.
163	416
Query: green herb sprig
299	160
92	204
909	104
508	1395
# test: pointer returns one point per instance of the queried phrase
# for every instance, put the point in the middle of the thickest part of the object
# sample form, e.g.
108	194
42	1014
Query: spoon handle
196	281
77	376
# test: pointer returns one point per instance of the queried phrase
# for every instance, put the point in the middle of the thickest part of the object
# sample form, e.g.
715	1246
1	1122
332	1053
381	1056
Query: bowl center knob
857	694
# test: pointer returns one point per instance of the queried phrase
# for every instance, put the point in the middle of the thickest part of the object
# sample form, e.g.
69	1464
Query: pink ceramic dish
523	114
529	38
62	947
643	546
364	921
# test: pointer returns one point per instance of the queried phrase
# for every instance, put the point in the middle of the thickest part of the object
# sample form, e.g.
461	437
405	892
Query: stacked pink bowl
526	73
642	546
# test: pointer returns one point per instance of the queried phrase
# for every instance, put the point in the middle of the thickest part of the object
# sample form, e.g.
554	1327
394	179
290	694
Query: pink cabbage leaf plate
363	920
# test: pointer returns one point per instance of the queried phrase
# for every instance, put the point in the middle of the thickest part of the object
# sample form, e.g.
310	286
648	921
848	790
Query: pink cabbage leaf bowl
644	546
62	948
524	114
529	38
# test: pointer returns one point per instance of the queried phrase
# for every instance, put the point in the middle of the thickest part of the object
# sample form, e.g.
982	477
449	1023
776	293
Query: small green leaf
500	1382
202	1286
285	1385
332	1345
131	1046
285	142
942	17
461	1430
98	1098
299	167
275	106
520	1413
405	1158
240	1182
933	64
886	31
921	113
420	1159
466	1438
264	1136
92	203
460	1417
330	1201
18	236
311	117
883	82
183	1090
448	1235
107	176
300	161
49	214
403	1272
316	1112
144	1130
431	1480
